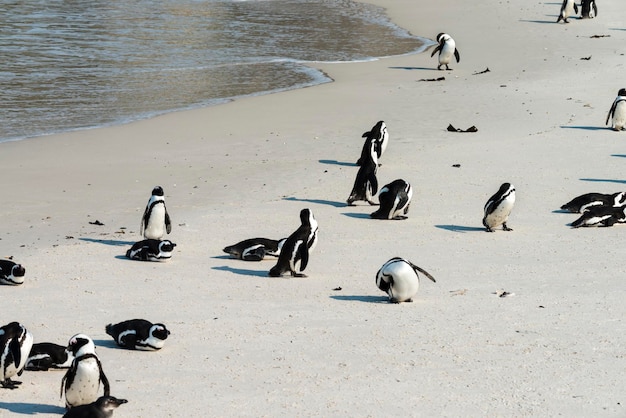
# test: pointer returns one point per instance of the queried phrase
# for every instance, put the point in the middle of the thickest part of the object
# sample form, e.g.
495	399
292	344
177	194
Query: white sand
243	344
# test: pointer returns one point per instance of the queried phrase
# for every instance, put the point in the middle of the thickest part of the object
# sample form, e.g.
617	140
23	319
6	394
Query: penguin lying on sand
379	136
499	207
138	334
151	250
581	203
294	255
44	356
601	215
15	344
103	407
255	249
394	199
11	273
399	279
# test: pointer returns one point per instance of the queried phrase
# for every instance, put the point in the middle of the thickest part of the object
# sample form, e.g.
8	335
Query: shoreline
258	346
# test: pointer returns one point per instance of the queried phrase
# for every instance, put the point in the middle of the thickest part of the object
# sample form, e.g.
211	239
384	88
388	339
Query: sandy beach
246	345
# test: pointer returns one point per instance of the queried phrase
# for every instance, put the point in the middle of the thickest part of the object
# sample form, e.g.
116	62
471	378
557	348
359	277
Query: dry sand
243	344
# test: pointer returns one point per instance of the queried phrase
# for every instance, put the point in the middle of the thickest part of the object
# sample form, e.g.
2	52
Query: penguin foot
10	384
506	228
488	229
294	274
372	203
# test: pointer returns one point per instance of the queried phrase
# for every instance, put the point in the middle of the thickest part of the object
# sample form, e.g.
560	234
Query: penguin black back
297	247
103	407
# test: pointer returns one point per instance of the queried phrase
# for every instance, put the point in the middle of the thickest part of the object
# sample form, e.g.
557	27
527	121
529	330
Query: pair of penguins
81	383
598	209
569	8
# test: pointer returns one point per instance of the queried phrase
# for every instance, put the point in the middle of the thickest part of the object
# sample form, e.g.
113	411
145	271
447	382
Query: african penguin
588	9
138	334
82	381
377	135
294	255
366	183
15	344
399	279
447	49
601	215
499	207
11	273
568	8
394	199
103	407
583	202
618	111
155	221
44	356
151	250
255	249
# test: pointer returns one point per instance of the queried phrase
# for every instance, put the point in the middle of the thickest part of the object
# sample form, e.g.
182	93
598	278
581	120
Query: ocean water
70	65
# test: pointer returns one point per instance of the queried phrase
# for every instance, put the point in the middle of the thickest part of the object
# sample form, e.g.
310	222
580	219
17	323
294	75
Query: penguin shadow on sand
318	201
31	408
109	343
341	163
461	228
414	68
604	180
356	215
243	272
588	128
113	242
362	298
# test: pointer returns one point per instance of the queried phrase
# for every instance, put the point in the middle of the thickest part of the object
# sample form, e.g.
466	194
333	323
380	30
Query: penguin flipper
14	346
456	55
168	223
103	378
611	111
435	50
421	270
576	8
304	255
595	9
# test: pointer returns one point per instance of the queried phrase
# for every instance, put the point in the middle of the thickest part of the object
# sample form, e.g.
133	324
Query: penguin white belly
405	281
447	52
84	388
155	229
501	214
151	343
619	116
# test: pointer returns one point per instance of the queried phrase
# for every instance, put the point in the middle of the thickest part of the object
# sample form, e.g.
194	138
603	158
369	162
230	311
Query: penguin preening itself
399	279
588	9
447	49
255	249
138	334
499	207
581	203
394	199
45	356
601	215
618	111
377	135
151	250
568	9
155	221
294	255
15	344
366	183
11	273
82	381
103	407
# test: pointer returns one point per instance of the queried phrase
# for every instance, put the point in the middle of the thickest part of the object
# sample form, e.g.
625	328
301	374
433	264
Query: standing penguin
44	356
82	381
15	344
618	111
395	199
378	135
366	183
294	255
138	334
499	207
568	8
446	48
588	9
11	273
155	221
103	407
399	279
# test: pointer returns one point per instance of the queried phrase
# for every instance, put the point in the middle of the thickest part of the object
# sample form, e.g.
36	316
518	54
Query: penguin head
18	271
379	129
159	331
157	191
109	403
81	344
14	331
621	92
166	246
306	217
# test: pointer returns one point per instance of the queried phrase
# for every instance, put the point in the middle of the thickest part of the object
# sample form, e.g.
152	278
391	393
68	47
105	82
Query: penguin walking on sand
45	356
618	112
151	250
138	334
11	273
499	207
601	215
568	8
255	249
103	407
394	199
155	221
82	381
399	279
15	344
447	49
588	9
581	203
377	135
294	255
366	183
